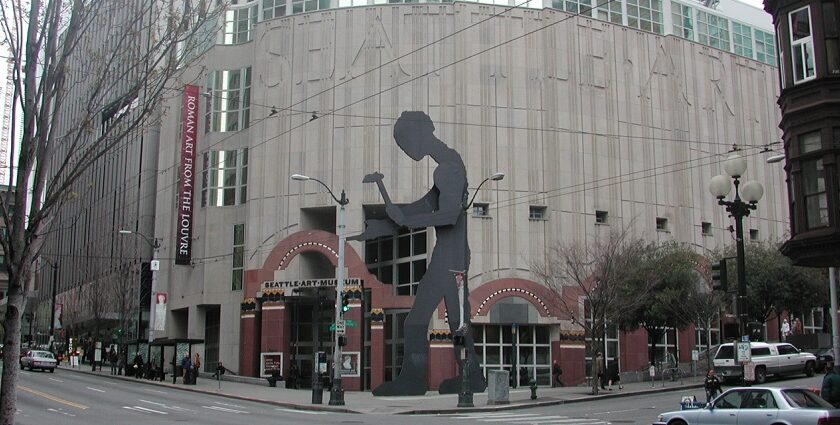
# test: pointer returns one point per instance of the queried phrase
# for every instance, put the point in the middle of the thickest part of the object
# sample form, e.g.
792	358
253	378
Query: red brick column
377	347
275	330
572	359
441	364
249	338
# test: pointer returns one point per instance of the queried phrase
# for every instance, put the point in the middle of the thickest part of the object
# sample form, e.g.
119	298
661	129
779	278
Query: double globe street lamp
337	391
745	200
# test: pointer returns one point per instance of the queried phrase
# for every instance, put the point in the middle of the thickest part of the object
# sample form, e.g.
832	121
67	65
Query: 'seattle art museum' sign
308	283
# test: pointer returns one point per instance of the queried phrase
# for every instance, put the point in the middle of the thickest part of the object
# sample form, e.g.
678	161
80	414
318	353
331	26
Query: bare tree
88	74
589	281
704	307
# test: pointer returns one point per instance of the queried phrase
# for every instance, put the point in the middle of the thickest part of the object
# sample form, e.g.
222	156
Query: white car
37	359
767	359
758	406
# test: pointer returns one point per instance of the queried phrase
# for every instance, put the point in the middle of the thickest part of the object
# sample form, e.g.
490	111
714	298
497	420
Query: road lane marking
155	391
223	409
95	389
166	406
56	380
53	398
144	410
228	405
306	412
59	411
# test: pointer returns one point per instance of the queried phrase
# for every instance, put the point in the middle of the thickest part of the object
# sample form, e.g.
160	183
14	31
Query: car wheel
52	370
677	422
760	375
809	369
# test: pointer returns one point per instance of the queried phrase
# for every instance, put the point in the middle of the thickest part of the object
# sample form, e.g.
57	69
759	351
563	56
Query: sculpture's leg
478	383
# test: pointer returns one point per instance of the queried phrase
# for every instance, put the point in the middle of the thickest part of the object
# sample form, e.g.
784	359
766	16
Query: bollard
533	385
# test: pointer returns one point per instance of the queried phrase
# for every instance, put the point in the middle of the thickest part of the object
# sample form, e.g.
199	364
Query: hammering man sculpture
442	208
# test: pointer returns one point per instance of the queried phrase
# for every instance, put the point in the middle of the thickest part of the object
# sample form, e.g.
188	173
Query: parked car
758	406
37	359
824	357
768	359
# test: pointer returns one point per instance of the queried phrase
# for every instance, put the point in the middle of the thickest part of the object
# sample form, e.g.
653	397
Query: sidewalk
365	402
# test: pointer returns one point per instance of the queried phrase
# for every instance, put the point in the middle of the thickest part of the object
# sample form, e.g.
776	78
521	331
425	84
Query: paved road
78	399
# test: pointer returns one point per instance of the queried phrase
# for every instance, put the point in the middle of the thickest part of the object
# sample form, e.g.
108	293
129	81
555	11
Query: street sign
742	352
340	327
350	323
695	355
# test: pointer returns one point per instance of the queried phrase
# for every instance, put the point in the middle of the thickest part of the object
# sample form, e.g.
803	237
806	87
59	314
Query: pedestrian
614	375
138	365
186	366
712	385
292	382
196	366
785	329
600	371
220	370
112	358
555	374
830	391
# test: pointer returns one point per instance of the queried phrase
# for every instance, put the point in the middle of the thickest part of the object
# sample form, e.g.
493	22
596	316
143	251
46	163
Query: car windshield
805	399
725	352
42	354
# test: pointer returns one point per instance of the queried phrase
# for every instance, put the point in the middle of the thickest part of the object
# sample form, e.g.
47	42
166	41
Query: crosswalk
528	419
165	409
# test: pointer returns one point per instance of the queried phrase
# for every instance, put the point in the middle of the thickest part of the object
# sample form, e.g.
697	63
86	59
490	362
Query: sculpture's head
413	132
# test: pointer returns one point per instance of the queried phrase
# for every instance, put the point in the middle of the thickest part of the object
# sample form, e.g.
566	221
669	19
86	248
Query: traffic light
719	282
345	303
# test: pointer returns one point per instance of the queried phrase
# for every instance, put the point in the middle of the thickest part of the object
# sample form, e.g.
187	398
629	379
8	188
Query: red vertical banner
186	174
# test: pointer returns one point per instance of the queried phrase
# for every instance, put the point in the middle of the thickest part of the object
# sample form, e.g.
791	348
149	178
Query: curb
321	408
554	402
293	406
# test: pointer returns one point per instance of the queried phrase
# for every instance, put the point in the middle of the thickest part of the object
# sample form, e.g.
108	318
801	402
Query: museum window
273	8
813	321
814	195
301	6
645	15
394	343
525	347
666	348
706	228
229	103
536	213
753	234
238	24
610	347
224	178
681	16
238	267
608	10
582	7
801	45
399	260
702	338
832	46
742	38
481	210
662	224
765	47
601	217
712	30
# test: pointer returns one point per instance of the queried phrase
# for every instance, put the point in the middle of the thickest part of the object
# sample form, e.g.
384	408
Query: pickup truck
768	359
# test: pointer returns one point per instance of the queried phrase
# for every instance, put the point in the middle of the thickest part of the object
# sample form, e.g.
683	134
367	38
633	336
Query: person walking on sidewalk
112	358
712	385
600	371
186	366
138	365
555	373
613	375
196	367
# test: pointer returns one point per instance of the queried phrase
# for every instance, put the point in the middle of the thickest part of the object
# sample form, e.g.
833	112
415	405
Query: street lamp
465	396
336	392
745	200
153	266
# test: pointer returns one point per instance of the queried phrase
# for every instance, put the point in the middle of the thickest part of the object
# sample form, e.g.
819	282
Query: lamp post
155	244
739	207
337	391
52	303
465	396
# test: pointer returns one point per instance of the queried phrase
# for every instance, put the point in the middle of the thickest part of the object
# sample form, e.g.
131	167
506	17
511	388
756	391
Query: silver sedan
37	359
760	406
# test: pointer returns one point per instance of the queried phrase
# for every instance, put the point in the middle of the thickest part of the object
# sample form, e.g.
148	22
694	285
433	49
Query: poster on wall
350	361
59	318
269	363
160	311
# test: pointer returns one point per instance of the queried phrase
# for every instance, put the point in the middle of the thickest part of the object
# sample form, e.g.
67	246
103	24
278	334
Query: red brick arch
485	296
